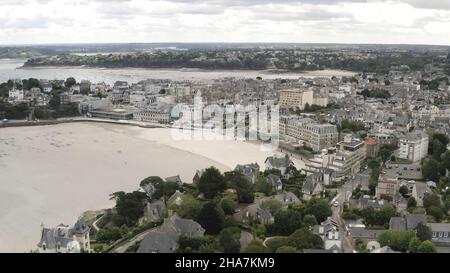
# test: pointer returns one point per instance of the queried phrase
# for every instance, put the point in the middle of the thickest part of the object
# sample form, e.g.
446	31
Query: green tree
245	191
438	149
374	163
287	249
262	185
440	137
385	154
228	205
255	246
272	206
55	101
129	206
190	207
211	218
162	188
319	208
445	160
304	239
412	203
436	212
260	231
110	235
414	244
229	240
396	239
403	190
423	232
426	247
70	82
431	170
309	220
188	244
350	125
431	199
286	221
211	182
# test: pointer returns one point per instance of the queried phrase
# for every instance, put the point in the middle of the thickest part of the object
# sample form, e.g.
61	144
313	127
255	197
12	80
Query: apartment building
344	160
387	187
293	98
414	146
309	133
161	116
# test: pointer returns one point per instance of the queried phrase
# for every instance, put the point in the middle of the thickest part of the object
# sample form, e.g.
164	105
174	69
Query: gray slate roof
413	219
358	232
274	180
158	242
397	223
279	162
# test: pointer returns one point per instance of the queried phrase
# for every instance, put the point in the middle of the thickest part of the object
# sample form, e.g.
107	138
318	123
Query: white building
345	161
329	232
16	94
307	132
65	239
153	116
414	146
293	98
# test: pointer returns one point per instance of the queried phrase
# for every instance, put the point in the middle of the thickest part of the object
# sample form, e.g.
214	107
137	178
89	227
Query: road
123	246
246	238
343	195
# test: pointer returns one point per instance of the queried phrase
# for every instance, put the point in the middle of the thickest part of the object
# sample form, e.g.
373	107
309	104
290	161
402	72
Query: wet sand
51	174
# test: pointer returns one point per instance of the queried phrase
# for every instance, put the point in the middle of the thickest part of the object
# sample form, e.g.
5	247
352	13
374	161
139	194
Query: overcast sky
304	21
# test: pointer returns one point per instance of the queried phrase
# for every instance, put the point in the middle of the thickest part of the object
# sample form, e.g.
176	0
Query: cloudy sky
304	21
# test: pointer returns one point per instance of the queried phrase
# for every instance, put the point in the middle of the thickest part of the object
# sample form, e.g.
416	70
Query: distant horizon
215	43
386	22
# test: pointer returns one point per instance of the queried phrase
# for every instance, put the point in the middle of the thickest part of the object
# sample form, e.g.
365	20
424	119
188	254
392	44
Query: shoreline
269	72
56	172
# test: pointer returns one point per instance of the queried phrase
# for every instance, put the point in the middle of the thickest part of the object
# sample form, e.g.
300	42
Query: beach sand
52	174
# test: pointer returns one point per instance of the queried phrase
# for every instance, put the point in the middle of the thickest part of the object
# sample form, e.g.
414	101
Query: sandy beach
51	174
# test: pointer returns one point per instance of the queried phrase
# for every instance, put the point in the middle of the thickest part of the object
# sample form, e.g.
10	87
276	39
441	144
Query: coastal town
374	173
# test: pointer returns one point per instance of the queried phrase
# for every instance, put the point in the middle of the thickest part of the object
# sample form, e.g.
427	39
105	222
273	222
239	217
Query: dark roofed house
275	181
154	210
312	186
407	222
413	219
250	171
254	212
366	201
175	179
165	238
384	249
65	239
179	226
366	234
278	163
440	233
286	198
197	176
397	223
158	242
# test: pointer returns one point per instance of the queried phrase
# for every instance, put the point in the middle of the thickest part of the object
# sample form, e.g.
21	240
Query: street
343	195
